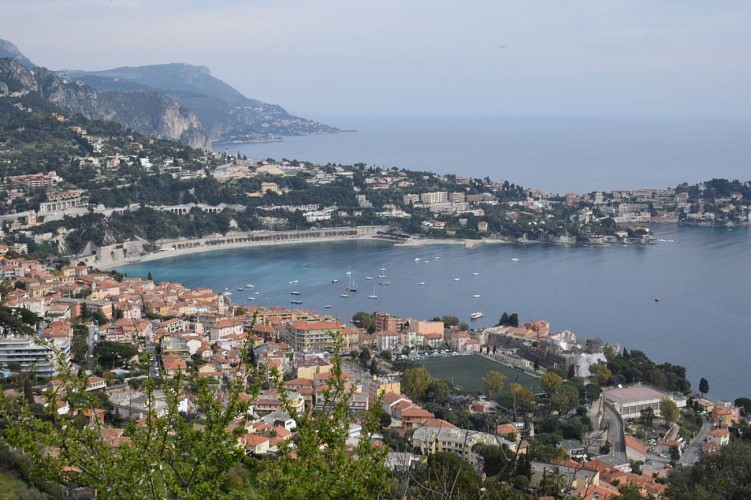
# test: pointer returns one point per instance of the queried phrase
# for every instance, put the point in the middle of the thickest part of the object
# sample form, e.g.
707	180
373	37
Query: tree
365	355
364	320
504	320
726	474
551	381
601	371
110	352
703	386
166	457
415	382
321	464
149	277
744	404
647	415
493	383
374	366
450	321
438	391
669	410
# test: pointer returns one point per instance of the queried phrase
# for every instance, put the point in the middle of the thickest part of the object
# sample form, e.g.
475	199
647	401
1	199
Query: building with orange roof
602	491
725	414
254	444
412	416
312	336
635	449
719	436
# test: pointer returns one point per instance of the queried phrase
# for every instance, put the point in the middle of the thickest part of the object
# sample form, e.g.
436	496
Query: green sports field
467	372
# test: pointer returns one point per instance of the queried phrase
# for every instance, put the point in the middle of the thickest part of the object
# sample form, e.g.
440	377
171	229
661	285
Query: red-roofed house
254	444
635	449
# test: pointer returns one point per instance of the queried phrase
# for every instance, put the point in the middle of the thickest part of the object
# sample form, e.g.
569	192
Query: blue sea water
700	275
557	154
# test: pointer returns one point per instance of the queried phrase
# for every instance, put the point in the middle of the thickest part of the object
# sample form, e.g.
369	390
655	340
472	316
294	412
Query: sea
700	275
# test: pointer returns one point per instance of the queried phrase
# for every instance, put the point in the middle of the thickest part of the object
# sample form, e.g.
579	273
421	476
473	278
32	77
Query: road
615	433
693	452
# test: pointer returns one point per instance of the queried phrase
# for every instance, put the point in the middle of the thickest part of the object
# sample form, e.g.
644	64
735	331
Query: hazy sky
523	57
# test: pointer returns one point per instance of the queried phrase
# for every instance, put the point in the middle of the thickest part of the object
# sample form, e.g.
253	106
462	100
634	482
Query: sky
645	58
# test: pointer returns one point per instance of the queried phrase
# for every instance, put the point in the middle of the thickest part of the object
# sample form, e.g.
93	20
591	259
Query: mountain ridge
175	100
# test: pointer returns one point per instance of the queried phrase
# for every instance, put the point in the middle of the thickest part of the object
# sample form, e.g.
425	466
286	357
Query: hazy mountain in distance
175	101
224	113
151	113
8	49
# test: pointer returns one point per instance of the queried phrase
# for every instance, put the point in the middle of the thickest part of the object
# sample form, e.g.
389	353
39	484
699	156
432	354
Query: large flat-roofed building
630	401
25	354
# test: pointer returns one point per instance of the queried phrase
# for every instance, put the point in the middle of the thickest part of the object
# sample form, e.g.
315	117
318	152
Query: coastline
166	253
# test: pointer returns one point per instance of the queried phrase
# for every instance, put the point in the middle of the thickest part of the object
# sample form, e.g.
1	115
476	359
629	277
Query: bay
700	275
556	154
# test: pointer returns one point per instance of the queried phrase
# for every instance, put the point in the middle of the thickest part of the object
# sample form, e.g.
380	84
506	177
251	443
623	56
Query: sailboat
476	315
374	296
351	287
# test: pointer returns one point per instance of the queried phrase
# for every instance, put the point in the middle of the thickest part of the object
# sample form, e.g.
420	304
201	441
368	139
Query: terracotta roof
636	444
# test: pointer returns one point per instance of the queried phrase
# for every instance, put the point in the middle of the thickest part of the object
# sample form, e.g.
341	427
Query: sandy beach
192	250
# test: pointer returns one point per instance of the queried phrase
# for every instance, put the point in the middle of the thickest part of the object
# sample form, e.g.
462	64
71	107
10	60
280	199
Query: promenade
121	254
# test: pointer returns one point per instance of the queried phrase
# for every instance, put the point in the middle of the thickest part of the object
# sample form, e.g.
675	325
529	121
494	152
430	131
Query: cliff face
224	113
151	113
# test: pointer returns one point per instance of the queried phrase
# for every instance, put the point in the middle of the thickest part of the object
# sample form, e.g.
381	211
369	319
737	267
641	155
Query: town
77	197
548	414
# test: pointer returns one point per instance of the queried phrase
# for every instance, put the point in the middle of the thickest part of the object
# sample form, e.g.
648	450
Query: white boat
345	295
374	296
421	283
256	293
295	301
351	287
514	259
295	292
476	315
368	277
417	259
249	285
384	282
475	274
335	281
383	268
457	279
240	289
327	307
476	296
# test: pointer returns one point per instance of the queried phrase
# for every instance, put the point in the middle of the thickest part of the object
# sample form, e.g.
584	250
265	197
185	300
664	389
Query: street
693	452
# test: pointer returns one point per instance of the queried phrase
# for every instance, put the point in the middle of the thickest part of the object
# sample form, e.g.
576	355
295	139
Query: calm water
701	276
559	155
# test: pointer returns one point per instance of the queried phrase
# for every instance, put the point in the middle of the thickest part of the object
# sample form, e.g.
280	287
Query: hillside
171	101
224	113
151	113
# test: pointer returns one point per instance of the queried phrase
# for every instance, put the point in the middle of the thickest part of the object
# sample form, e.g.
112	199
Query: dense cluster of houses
201	330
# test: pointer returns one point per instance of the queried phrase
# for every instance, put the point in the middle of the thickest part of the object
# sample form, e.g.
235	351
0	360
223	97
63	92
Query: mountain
173	101
8	49
149	112
224	113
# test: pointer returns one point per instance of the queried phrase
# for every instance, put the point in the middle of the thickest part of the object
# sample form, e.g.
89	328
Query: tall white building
27	353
